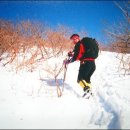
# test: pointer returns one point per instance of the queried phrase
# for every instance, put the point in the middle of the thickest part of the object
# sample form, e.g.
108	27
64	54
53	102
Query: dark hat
74	36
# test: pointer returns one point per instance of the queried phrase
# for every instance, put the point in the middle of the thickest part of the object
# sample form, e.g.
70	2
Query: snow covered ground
27	102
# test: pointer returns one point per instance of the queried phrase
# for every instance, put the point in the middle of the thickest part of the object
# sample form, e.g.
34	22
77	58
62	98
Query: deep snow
28	102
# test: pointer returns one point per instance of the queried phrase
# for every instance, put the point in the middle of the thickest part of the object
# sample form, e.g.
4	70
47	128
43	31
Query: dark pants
86	70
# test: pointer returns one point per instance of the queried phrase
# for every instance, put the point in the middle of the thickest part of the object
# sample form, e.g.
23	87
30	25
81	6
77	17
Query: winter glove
70	54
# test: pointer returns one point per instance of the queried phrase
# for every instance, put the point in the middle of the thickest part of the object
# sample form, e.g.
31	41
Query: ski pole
65	71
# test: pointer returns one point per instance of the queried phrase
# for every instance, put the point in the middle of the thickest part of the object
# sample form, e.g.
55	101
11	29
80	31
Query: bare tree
120	37
9	40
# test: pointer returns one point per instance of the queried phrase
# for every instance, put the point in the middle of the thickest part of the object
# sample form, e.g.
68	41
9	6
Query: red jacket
79	51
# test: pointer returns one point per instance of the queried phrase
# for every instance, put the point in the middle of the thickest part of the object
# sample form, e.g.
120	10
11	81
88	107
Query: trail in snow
111	91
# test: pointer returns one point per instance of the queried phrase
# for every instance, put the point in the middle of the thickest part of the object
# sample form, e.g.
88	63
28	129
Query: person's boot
87	92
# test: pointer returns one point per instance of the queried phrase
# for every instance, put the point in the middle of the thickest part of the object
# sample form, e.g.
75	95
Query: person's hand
66	62
70	54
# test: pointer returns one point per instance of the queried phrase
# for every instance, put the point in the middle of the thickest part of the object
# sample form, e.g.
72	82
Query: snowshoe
87	94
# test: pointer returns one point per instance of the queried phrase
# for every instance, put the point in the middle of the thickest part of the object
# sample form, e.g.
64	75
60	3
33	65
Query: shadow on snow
52	83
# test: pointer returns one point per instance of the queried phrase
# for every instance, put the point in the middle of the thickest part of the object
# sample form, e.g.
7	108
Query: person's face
75	39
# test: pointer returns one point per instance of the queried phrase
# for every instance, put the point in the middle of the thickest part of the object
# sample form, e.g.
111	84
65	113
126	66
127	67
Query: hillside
28	102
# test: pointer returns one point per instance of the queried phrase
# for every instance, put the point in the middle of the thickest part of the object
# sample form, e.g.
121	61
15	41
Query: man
87	63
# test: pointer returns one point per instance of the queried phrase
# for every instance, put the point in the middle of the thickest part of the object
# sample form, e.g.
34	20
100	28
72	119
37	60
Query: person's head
75	38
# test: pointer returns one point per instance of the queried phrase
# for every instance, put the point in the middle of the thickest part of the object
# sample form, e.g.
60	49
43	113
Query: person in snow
87	62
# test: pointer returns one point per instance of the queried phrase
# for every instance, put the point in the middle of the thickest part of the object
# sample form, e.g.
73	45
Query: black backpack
91	47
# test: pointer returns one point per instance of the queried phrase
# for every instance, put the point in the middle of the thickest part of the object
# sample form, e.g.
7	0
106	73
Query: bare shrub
57	43
22	43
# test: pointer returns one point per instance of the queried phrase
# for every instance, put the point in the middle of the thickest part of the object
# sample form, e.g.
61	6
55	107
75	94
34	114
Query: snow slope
27	102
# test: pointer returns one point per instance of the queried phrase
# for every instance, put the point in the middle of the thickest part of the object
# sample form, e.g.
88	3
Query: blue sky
86	15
